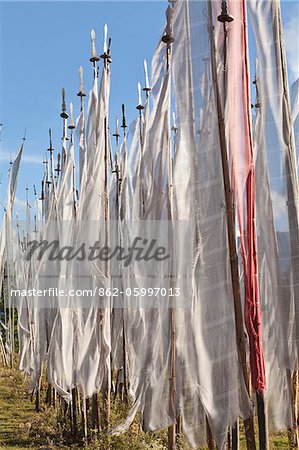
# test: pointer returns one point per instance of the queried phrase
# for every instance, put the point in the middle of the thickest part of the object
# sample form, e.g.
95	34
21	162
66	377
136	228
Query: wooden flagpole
235	436
72	127
95	398
107	60
260	401
125	387
168	39
9	285
231	228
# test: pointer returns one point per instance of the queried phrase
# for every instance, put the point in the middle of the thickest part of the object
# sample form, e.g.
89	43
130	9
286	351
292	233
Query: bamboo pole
95	414
54	397
229	439
12	335
235	436
210	441
231	229
140	108
172	431
168	39
126	386
260	401
84	420
48	400
123	389
293	431
5	300
107	390
37	395
4	356
107	384
74	411
70	413
262	422
10	331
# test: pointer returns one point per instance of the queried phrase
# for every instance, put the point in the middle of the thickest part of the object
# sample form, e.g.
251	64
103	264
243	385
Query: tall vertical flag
238	131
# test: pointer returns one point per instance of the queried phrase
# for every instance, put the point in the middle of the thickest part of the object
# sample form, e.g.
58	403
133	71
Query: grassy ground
22	428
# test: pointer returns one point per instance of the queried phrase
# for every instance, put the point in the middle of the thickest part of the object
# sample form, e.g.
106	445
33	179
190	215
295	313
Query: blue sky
42	45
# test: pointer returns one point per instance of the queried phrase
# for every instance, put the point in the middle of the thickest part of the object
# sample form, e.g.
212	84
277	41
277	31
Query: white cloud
20	204
32	159
280	210
26	158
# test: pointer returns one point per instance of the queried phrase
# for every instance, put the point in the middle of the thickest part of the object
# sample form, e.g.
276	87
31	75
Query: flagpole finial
48	181
50	149
106	56
35	225
123	124
94	57
81	92
105	48
116	134
42	197
147	85
256	82
63	114
225	16
58	169
72	125
140	106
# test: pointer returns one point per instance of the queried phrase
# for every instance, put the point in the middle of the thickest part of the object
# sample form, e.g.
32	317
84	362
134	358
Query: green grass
22	428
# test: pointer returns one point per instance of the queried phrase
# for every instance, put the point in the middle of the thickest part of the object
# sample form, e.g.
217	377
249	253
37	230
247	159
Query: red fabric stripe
253	319
240	147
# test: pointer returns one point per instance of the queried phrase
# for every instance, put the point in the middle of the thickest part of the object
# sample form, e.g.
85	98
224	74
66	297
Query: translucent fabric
277	394
209	378
277	213
276	139
147	327
189	345
2	252
233	75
